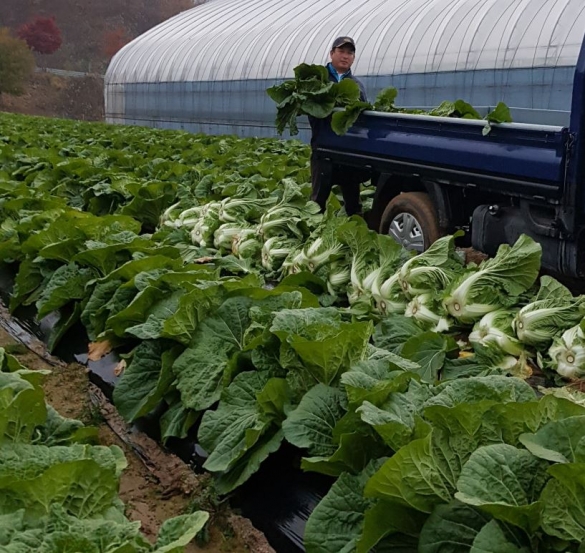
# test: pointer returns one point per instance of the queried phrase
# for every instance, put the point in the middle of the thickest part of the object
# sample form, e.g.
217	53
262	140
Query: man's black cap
343	41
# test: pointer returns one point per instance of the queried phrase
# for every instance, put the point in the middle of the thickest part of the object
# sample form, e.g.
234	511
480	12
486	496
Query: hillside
91	32
53	96
86	26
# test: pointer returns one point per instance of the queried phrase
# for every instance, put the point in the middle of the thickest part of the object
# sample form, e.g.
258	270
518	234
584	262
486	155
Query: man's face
342	58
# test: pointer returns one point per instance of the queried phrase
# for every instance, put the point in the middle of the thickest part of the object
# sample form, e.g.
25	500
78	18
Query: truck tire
411	220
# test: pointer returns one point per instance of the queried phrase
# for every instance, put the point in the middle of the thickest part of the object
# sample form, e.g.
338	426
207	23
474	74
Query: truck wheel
411	220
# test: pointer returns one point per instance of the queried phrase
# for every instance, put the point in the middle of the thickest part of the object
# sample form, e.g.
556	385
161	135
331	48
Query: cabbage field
59	491
249	319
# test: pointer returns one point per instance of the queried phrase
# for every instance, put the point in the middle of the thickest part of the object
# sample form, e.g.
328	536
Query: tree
42	35
16	63
113	40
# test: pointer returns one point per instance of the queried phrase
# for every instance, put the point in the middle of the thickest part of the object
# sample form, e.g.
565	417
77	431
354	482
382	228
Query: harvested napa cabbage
496	283
553	311
426	309
567	354
431	271
495	343
494	331
275	250
374	258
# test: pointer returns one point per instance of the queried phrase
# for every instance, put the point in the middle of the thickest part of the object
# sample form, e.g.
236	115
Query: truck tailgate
515	152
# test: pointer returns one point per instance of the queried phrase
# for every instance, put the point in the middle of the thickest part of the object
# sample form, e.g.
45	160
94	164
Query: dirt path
156	485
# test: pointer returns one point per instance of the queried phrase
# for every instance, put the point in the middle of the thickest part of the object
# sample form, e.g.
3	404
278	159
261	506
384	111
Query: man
323	177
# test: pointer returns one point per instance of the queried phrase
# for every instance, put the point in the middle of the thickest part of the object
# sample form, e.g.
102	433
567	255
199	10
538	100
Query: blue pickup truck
434	175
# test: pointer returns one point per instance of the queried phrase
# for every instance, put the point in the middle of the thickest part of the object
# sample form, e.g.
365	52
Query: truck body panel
531	154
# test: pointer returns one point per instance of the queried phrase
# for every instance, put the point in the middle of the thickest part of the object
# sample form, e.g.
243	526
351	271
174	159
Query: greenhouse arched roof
231	40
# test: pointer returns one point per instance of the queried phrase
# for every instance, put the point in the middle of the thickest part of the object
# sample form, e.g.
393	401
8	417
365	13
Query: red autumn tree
42	35
113	40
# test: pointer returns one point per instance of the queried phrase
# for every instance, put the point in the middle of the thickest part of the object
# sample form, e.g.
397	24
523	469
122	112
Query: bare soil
473	256
156	485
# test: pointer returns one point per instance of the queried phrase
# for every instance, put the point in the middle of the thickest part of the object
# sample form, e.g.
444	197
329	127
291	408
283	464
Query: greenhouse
207	69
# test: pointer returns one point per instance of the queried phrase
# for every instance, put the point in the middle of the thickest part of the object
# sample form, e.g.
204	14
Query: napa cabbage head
245	244
291	216
225	235
338	277
431	270
494	331
176	217
318	252
279	221
323	247
388	296
427	310
496	283
202	232
233	210
496	346
374	258
553	311
567	353
170	215
275	250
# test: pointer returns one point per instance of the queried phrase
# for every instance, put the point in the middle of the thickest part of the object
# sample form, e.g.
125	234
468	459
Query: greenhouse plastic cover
235	39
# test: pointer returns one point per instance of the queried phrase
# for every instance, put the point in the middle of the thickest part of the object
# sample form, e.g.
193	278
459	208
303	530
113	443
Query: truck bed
522	159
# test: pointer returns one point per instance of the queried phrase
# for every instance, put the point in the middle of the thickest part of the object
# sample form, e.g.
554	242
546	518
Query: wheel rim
407	231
